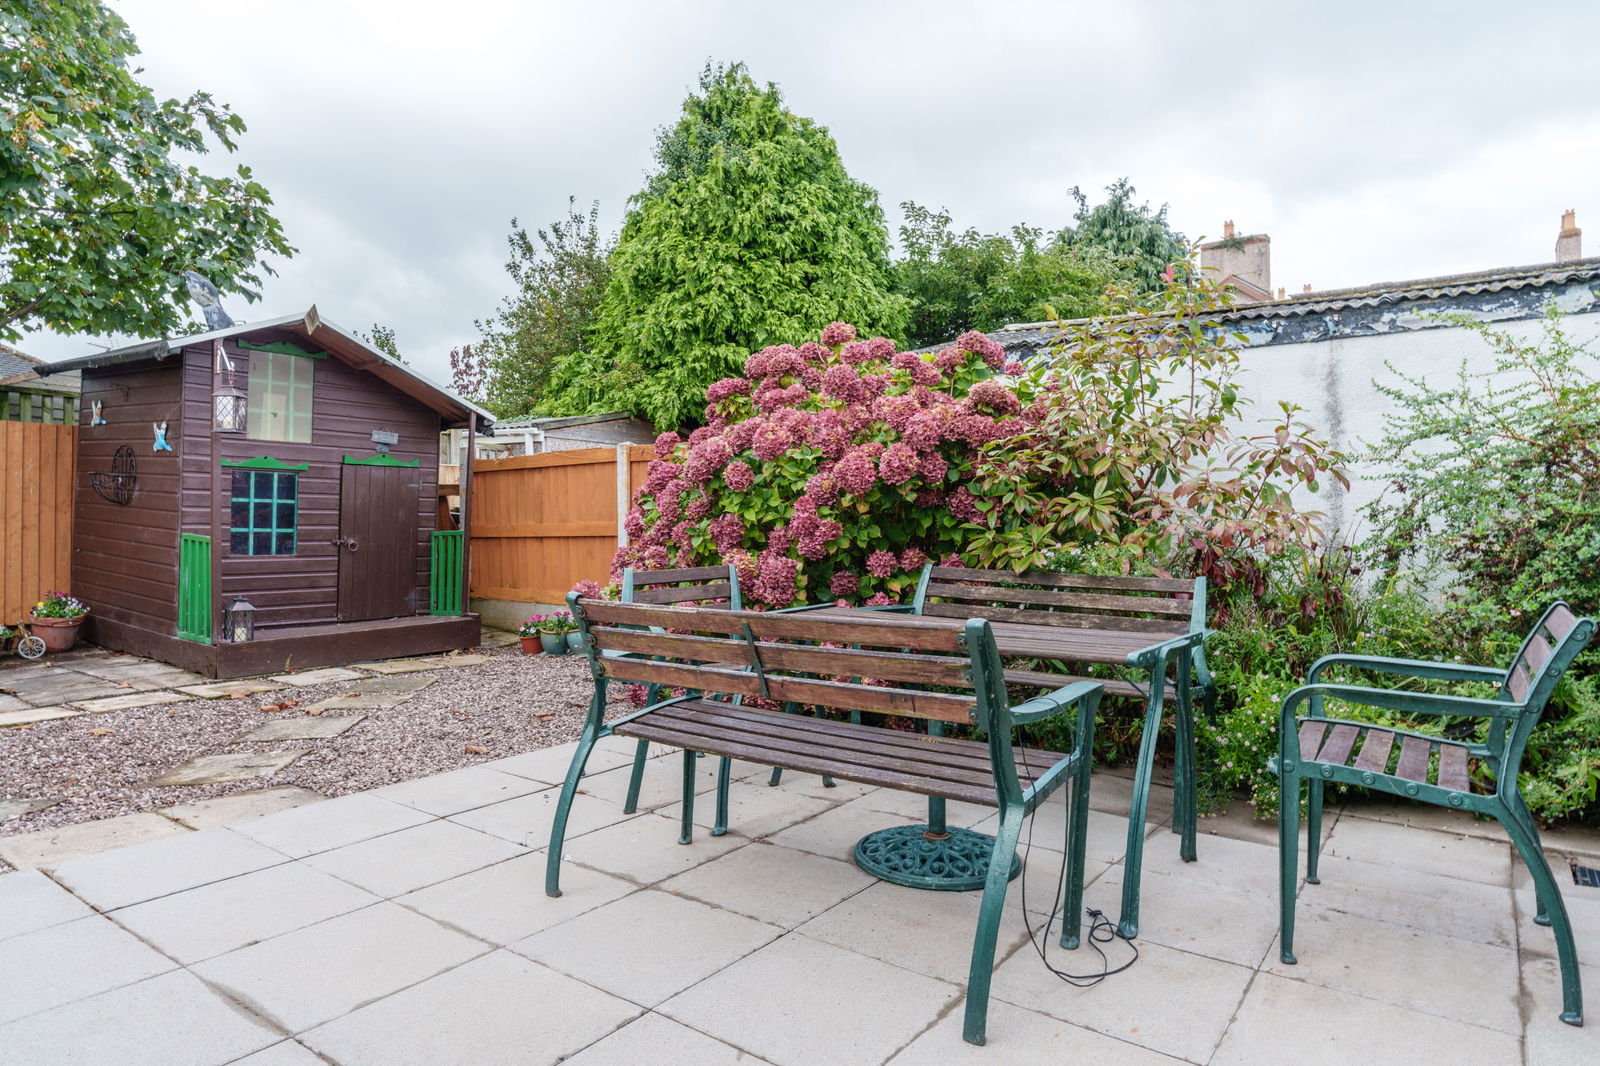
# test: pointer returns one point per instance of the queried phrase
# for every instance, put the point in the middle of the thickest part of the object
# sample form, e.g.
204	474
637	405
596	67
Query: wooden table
1140	652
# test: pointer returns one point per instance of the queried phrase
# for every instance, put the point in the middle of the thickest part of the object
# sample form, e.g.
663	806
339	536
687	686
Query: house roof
559	422
1383	307
22	369
316	330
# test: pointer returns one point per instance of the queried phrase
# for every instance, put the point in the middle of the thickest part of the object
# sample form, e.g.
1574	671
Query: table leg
1133	862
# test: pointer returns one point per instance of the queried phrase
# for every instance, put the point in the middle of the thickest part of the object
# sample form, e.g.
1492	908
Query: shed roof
560	421
21	369
316	330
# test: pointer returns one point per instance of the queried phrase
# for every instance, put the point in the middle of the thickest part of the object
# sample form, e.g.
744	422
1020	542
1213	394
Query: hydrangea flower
738	475
882	563
838	333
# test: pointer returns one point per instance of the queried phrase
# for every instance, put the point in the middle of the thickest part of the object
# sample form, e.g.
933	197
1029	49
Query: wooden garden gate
38	449
542	523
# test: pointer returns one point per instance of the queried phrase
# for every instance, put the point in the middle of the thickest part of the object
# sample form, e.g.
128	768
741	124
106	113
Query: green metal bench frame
1321	750
1181	647
780	657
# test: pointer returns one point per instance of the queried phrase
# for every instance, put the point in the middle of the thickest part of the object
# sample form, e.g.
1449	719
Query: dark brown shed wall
125	558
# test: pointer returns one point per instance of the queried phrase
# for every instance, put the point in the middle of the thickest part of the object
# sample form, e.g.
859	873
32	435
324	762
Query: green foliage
1140	239
1496	478
982	281
749	233
97	219
560	281
382	338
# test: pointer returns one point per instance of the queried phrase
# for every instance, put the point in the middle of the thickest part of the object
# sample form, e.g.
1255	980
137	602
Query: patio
407	924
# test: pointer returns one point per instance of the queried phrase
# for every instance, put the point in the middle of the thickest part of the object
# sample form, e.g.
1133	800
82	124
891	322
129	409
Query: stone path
408	924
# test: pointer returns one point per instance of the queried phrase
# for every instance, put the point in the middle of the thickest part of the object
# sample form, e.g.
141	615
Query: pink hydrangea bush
832	470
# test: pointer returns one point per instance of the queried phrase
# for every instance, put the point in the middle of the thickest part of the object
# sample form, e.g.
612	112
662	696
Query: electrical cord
1101	929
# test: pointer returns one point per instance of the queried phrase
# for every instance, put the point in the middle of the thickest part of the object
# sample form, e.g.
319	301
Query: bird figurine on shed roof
206	295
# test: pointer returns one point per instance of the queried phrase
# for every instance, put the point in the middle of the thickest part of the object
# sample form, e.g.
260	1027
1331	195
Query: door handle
352	543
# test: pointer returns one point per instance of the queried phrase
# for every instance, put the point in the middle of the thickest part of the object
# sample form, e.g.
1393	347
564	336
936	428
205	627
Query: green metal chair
1319	750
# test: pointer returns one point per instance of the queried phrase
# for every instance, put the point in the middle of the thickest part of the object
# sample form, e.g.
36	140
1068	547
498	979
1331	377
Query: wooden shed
286	464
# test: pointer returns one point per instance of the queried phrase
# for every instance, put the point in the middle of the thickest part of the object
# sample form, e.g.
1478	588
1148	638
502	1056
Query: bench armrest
1147	657
1396	700
1408	668
901	607
1043	706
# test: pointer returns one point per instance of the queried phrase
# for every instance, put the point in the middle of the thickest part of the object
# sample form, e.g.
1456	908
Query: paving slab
64	686
216	769
134	1026
459	790
16	808
660	1041
117	668
497	638
11	703
323	971
1021	1036
156	868
402	862
49	846
645	849
852	1009
131	701
505	902
361	701
527	820
304	727
742	881
1549	1041
203	814
330	824
1219	922
68	962
285	1053
229	690
1418	901
403	666
391	683
318	677
1461	855
229	914
655	925
503	1009
1331	1027
754	810
30	901
36	714
550	765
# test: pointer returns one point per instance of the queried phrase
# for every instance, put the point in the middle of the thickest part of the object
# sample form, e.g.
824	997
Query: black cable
1101	929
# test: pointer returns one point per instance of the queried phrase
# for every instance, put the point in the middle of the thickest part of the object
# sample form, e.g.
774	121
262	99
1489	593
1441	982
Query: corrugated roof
314	330
559	421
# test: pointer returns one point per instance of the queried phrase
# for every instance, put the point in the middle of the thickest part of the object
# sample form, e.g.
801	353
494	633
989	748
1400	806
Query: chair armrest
1408	668
1398	700
1043	706
1146	657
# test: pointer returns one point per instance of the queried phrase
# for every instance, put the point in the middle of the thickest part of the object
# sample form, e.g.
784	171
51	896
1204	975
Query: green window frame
264	512
279	406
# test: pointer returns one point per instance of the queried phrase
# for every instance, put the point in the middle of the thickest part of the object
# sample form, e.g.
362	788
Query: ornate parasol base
956	860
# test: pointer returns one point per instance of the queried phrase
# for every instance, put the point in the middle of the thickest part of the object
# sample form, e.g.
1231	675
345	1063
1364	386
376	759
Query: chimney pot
1569	242
1306	287
1227	229
1280	292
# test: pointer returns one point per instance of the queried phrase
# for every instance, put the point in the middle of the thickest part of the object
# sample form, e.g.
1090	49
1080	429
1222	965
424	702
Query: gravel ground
100	762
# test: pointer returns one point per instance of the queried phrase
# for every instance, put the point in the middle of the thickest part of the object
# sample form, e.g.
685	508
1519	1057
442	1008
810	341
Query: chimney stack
1227	229
1569	243
1242	263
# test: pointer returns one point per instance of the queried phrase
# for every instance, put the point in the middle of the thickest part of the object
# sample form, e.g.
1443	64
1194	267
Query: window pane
285	518
280	396
241	514
239	542
285	545
241	482
286	486
261	544
261	516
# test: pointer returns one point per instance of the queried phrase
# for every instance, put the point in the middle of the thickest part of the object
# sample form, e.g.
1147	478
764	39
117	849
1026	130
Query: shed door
377	542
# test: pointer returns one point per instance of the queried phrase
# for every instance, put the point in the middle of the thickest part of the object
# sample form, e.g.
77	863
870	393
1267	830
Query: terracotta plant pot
58	634
554	643
530	645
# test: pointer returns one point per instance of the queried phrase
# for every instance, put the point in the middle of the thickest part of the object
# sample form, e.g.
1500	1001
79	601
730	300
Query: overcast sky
1372	141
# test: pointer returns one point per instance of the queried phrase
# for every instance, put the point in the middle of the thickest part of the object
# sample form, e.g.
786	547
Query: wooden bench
739	669
1154	628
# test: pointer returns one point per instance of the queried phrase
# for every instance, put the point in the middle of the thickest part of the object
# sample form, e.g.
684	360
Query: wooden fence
542	523
36	481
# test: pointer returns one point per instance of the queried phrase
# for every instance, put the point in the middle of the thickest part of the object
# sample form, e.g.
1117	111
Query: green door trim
380	460
266	462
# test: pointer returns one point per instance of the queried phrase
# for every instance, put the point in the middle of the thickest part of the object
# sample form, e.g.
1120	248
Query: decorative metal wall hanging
161	444
116	484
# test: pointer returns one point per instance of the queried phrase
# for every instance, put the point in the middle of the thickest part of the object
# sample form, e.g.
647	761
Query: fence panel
444	590
542	523
37	461
194	587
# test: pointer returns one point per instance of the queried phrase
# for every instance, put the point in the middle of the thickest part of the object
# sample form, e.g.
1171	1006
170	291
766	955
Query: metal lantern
239	621
229	410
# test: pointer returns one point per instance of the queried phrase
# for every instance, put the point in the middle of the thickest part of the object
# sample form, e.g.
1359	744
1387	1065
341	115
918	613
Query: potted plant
55	620
528	632
553	633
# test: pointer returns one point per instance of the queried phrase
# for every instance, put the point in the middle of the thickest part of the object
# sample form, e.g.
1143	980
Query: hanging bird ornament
161	444
205	294
99	417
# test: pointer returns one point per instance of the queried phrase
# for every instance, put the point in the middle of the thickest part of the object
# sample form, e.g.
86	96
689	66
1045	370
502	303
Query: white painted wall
1333	381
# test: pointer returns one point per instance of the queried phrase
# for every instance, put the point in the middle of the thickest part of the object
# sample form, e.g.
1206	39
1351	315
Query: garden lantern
229	408
239	621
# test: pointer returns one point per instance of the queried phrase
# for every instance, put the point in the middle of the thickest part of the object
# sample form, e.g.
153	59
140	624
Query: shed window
280	397
265	503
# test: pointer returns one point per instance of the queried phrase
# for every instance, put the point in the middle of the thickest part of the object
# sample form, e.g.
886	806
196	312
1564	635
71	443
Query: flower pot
575	641
530	645
554	643
58	634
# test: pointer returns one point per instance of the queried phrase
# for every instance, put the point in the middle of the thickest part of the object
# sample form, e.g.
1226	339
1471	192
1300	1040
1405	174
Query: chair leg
1520	808
686	830
724	775
1077	848
1133	863
636	778
989	914
1288	861
1314	831
558	829
1187	783
1545	884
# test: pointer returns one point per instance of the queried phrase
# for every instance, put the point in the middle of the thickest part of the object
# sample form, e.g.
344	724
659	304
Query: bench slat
1453	767
1062	619
1374	756
906	631
1065	581
1538	653
1336	749
1561	622
1083	601
1413	764
1113	686
1519	682
849	662
672	577
1311	734
721	590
